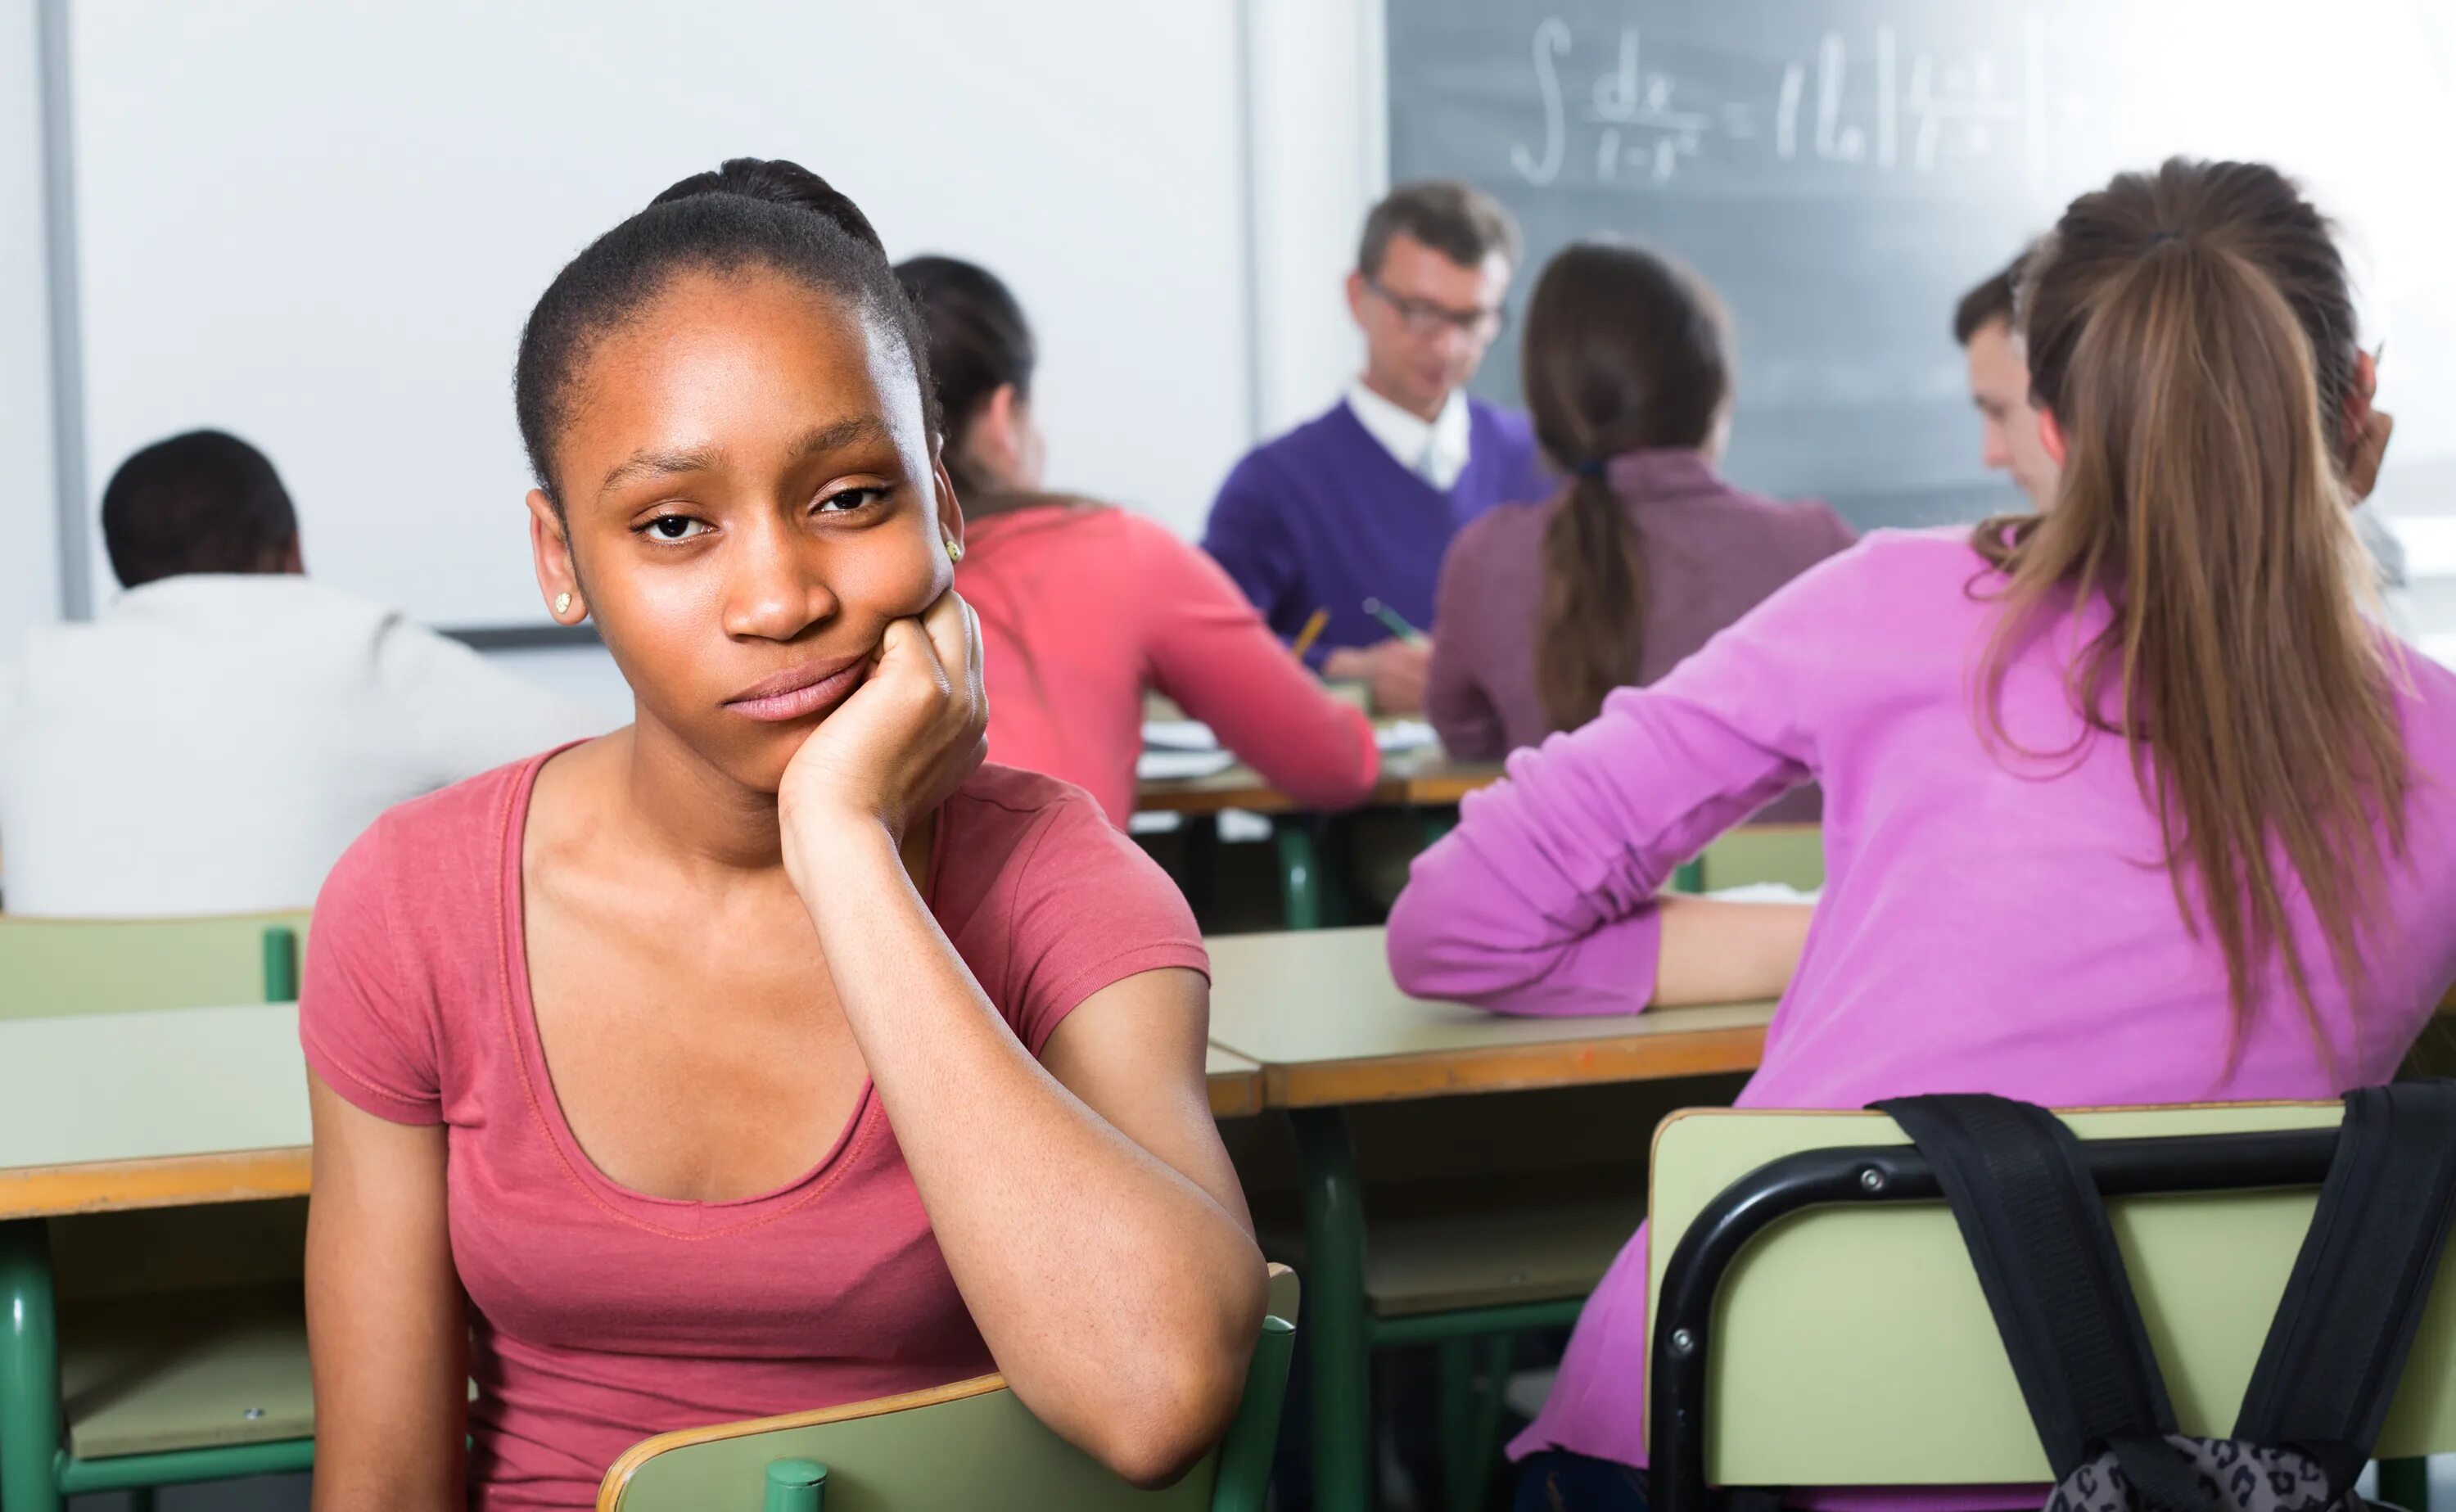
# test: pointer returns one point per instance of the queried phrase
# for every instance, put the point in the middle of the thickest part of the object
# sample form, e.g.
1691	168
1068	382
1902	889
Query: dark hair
205	502
764	213
979	343
1624	349
2192	332
1460	222
1991	301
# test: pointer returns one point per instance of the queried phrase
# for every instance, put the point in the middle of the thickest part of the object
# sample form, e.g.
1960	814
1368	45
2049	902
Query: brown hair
1991	301
979	343
1460	222
2192	333
1623	350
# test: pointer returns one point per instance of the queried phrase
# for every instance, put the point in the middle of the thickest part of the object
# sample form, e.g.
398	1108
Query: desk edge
168	1181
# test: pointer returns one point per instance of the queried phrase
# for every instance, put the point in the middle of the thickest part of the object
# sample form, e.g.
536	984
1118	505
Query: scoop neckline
546	1103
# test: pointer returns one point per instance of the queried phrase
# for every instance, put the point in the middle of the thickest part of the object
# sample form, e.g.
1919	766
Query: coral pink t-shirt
1084	607
598	1315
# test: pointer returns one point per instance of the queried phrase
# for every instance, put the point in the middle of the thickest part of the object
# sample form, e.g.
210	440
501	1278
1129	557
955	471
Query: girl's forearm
1108	1285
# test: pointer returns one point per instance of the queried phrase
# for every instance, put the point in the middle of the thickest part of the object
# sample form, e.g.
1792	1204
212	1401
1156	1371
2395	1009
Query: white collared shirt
1435	452
212	744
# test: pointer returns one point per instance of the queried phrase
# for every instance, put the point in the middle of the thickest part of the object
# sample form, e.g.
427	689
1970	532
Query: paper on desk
1761	892
1396	735
1178	734
1159	766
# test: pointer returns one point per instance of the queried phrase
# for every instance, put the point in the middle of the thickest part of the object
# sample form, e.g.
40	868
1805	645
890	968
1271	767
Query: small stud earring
954	550
561	604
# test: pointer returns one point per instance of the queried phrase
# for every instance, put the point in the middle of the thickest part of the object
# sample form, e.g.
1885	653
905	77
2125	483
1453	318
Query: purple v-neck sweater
1325	518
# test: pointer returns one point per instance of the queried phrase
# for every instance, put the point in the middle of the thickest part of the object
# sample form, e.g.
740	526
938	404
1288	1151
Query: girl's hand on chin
902	744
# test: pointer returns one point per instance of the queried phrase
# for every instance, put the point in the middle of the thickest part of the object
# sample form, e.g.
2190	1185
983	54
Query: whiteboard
319	226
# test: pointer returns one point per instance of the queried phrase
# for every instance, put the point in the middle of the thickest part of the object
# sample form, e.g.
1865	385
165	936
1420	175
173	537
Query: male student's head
204	502
1999	384
1430	274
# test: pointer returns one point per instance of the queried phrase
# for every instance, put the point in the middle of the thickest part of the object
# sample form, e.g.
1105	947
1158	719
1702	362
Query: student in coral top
1646	552
2124	802
772	1052
1084	607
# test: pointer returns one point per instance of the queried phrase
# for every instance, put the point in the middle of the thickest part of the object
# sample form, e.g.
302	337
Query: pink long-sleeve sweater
1991	922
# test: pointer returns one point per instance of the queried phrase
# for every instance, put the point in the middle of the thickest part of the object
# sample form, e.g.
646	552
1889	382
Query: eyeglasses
1422	317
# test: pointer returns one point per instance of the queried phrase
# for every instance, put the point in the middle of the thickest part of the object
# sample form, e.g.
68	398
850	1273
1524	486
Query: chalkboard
1841	171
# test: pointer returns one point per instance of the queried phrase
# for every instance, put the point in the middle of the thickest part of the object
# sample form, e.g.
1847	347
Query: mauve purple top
1990	921
1711	553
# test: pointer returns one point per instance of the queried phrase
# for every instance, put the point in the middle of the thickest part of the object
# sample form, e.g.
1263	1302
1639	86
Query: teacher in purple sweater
1361	504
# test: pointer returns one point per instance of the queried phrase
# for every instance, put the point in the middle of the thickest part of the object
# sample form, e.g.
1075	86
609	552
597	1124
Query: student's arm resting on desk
1544	899
1211	653
1083	1204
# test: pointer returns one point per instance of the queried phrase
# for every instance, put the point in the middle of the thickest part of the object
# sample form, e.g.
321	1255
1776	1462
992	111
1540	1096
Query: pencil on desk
1311	633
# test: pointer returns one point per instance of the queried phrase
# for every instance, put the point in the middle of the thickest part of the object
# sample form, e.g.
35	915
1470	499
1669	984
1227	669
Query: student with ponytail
771	1051
1085	608
2129	801
1646	552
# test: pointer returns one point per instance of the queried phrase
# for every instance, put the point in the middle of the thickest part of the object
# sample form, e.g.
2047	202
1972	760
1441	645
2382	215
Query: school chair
971	1444
1817	1321
1791	854
138	1350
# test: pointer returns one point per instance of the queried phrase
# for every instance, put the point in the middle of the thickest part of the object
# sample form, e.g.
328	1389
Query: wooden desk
1236	1084
1319	1012
157	1109
195	1106
1418	779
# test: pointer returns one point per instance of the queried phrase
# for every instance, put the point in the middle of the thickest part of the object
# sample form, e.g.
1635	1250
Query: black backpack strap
2030	1214
2338	1345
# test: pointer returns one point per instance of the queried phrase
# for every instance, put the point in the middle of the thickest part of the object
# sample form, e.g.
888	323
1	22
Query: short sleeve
1087	909
366	1020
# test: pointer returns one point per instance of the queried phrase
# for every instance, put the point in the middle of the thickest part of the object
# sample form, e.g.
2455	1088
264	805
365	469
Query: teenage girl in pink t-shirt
773	1051
1085	608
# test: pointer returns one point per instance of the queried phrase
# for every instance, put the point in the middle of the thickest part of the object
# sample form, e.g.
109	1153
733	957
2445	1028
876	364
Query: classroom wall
29	541
1313	122
1316	106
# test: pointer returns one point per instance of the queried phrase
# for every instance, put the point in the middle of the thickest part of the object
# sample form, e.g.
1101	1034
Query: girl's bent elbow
1168	1431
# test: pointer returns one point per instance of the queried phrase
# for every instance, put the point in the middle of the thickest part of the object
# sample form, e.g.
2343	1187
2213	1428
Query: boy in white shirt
215	739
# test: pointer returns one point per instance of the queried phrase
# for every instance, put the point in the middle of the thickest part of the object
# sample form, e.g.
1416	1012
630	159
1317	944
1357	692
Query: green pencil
1391	618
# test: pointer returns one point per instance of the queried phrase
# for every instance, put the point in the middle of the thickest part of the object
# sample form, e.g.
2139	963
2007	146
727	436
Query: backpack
2020	1190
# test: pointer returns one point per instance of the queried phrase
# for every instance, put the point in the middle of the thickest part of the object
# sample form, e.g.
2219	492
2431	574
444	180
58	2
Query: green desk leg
30	1370
2402	1482
1300	879
280	964
1334	1307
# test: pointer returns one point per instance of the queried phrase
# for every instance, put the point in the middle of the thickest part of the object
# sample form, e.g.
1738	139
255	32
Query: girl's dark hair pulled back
751	213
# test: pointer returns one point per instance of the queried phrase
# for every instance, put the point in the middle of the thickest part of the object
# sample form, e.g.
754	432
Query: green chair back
1793	854
971	1444
1852	1346
57	967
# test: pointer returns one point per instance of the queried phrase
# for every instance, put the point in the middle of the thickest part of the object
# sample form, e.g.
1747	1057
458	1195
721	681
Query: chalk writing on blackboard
1870	102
